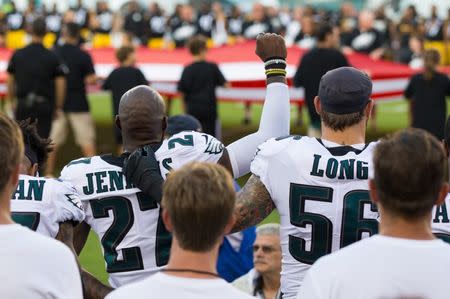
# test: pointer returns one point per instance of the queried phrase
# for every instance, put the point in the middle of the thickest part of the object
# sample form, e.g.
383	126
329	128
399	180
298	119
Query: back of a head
39	27
323	31
410	168
197	45
123	53
11	149
142	112
344	94
72	30
36	148
199	199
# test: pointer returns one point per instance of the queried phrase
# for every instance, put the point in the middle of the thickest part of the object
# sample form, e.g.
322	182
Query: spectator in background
366	39
347	20
314	64
235	21
186	28
15	36
205	20
102	26
263	281
294	27
54	21
427	94
414	56
134	21
198	84
76	106
257	23
36	77
198	202
306	37
434	27
122	79
81	17
155	22
409	180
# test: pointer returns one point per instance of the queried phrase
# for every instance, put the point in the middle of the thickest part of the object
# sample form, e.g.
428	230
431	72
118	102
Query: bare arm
92	287
91	79
11	95
60	91
81	233
253	204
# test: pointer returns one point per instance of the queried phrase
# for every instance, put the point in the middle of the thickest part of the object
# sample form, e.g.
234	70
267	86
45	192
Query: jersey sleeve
67	203
195	146
265	155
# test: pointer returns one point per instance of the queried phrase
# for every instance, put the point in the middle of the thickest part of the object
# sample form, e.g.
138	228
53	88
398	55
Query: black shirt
182	32
365	42
121	80
35	69
251	29
135	23
313	66
198	83
79	64
429	106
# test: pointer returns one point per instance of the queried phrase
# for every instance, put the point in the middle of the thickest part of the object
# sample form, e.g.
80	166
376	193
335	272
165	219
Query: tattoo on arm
92	288
253	204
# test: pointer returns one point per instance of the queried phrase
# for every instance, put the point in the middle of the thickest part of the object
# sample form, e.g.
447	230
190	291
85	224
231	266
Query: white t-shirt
135	242
320	190
166	286
34	266
381	267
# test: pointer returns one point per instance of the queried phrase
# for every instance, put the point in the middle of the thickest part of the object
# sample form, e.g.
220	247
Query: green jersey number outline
27	219
352	227
123	219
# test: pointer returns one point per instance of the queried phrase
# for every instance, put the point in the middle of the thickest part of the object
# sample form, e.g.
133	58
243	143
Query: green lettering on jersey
20	191
347	169
362	170
332	168
315	170
115	180
89	189
166	164
441	212
99	177
35	189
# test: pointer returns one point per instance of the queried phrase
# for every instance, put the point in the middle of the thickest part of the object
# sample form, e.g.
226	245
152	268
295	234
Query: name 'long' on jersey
321	192
134	240
41	204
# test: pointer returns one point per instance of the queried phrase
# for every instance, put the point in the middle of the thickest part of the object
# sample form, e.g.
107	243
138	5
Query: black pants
208	125
43	113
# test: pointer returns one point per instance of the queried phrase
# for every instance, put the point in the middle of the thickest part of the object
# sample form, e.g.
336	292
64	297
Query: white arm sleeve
275	121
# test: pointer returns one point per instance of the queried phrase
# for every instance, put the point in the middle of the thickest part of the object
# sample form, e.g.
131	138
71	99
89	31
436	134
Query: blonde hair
11	148
199	198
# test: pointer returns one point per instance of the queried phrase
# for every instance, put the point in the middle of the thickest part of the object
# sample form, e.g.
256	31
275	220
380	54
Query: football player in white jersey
49	206
319	186
440	222
134	240
405	260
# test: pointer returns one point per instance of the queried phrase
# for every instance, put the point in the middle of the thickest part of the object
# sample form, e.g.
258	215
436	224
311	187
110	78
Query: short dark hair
197	44
323	31
11	148
123	53
41	146
39	27
433	54
340	122
410	168
72	30
200	199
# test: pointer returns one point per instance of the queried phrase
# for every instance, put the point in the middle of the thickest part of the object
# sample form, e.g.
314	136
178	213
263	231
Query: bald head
142	117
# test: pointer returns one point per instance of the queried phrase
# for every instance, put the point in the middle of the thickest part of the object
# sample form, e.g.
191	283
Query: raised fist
270	45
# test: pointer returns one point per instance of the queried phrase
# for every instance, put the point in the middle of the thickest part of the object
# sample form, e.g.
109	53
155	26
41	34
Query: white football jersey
42	204
321	192
440	221
134	240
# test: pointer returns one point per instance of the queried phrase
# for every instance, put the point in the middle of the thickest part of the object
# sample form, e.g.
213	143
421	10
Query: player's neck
398	227
188	260
271	282
352	135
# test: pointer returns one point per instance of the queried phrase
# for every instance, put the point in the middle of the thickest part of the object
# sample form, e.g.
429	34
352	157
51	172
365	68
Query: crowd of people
370	32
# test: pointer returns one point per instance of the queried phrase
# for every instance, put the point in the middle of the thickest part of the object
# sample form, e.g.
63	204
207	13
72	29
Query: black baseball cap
183	122
344	90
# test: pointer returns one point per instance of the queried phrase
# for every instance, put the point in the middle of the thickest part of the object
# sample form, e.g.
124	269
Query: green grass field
390	116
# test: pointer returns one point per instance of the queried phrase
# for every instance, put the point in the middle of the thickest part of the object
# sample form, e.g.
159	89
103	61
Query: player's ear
317	105
368	109
373	192
230	224
118	124
166	220
443	193
14	178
